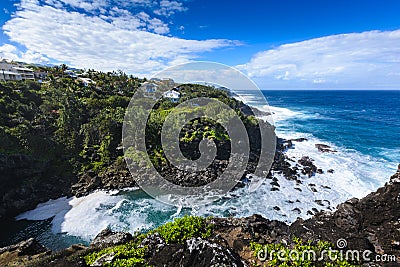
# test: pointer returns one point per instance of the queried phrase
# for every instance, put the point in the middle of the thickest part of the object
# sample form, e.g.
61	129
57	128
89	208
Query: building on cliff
172	95
11	71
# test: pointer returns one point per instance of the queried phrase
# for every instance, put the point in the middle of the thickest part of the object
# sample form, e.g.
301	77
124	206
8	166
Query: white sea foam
86	216
46	210
355	175
246	97
83	216
391	154
281	114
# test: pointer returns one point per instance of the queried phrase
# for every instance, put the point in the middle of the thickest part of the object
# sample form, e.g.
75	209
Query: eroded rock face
26	181
108	238
26	247
371	223
105	259
155	243
395	177
196	252
21	253
117	176
238	232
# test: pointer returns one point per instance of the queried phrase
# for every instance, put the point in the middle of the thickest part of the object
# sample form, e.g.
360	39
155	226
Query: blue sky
279	44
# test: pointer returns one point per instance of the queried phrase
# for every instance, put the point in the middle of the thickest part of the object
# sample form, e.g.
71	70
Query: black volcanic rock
309	168
302	139
196	252
395	177
324	148
26	181
109	238
371	223
22	252
26	247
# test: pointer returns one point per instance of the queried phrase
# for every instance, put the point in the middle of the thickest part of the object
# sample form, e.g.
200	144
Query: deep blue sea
363	126
366	121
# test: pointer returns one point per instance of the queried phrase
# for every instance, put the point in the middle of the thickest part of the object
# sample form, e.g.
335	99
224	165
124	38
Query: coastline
367	224
299	174
295	173
293	178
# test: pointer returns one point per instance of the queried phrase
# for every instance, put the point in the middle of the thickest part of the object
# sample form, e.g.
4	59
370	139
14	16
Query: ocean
362	126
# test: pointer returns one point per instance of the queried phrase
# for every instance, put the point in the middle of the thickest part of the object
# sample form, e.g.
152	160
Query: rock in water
309	168
302	139
324	148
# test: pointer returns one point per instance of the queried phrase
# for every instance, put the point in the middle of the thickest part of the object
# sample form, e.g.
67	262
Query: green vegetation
67	122
184	228
64	120
124	255
299	254
176	232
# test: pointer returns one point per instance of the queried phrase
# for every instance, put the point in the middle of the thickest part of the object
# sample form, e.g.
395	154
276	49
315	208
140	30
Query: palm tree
63	68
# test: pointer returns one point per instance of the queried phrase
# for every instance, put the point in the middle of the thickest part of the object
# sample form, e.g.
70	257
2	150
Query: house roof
87	80
172	94
22	68
8	72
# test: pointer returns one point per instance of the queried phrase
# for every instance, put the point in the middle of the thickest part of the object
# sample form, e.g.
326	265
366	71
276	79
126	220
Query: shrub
184	228
130	254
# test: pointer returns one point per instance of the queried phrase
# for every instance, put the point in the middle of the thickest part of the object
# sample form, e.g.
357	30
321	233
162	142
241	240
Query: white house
6	75
86	81
172	95
10	71
71	74
26	73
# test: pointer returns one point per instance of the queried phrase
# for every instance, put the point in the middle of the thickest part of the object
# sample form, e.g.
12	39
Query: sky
279	44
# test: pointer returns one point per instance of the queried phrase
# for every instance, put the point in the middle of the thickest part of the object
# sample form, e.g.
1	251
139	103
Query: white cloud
168	8
159	7
363	60
104	42
124	14
8	51
87	5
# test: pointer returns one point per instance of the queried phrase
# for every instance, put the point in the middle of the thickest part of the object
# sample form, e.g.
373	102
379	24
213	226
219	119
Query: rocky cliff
27	181
369	224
